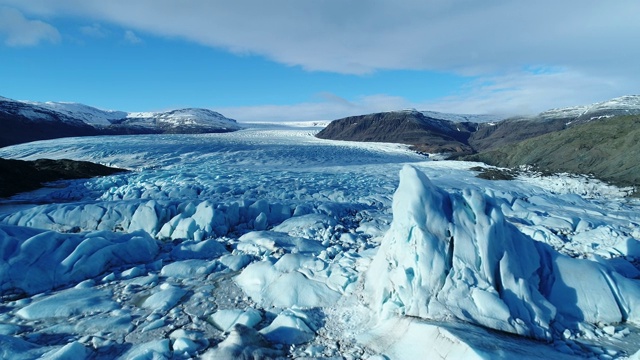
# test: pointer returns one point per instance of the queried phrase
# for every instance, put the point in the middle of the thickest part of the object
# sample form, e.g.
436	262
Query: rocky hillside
425	134
464	134
609	149
494	135
600	139
24	121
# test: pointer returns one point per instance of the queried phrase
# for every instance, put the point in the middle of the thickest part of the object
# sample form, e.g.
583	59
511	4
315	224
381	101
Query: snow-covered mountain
37	121
493	135
89	115
35	112
183	118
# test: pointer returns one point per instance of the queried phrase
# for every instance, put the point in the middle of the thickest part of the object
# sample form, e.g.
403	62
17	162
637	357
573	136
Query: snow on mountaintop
187	117
624	105
477	118
570	112
87	114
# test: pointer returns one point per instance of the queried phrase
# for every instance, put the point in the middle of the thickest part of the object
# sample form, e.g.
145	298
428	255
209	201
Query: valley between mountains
227	240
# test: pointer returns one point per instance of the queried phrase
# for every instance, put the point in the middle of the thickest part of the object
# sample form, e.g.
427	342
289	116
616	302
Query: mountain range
426	134
608	149
601	139
25	121
459	134
579	139
512	130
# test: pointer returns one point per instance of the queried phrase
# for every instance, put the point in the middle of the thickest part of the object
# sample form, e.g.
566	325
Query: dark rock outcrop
25	121
425	134
18	176
41	124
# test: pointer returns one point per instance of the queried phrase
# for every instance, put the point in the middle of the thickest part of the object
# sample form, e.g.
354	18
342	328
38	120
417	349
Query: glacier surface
270	243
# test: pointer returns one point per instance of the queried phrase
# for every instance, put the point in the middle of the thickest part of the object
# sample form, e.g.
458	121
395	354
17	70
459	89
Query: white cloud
94	30
593	42
517	93
352	36
131	37
329	107
531	92
16	30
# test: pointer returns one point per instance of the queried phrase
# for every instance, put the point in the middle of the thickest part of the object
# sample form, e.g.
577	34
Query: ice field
271	243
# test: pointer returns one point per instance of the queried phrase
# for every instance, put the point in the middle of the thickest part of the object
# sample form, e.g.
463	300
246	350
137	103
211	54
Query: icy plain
268	243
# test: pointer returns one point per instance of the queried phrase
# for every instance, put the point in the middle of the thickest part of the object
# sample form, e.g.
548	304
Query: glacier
271	243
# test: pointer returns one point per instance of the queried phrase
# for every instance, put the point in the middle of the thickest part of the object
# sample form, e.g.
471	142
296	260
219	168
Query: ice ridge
455	255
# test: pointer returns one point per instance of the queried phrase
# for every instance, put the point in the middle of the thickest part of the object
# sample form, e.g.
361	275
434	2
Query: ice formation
453	254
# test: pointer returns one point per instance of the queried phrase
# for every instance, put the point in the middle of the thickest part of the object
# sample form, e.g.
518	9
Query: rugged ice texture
219	285
70	302
407	338
288	328
163	219
453	254
243	342
32	261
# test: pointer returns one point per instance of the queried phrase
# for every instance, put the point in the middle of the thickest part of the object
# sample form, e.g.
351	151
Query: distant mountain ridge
510	131
26	121
601	139
608	148
424	133
461	134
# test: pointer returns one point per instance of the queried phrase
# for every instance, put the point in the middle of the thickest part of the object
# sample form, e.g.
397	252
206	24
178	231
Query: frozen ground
271	243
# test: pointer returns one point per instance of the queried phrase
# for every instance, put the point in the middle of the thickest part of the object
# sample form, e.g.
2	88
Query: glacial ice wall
455	255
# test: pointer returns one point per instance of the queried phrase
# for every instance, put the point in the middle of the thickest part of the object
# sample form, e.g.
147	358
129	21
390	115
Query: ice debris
242	342
226	319
285	284
287	328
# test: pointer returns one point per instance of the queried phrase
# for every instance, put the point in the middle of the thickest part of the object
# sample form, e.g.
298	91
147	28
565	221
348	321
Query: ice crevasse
454	255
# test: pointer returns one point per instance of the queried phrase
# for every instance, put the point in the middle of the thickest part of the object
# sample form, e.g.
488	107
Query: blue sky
157	72
280	60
